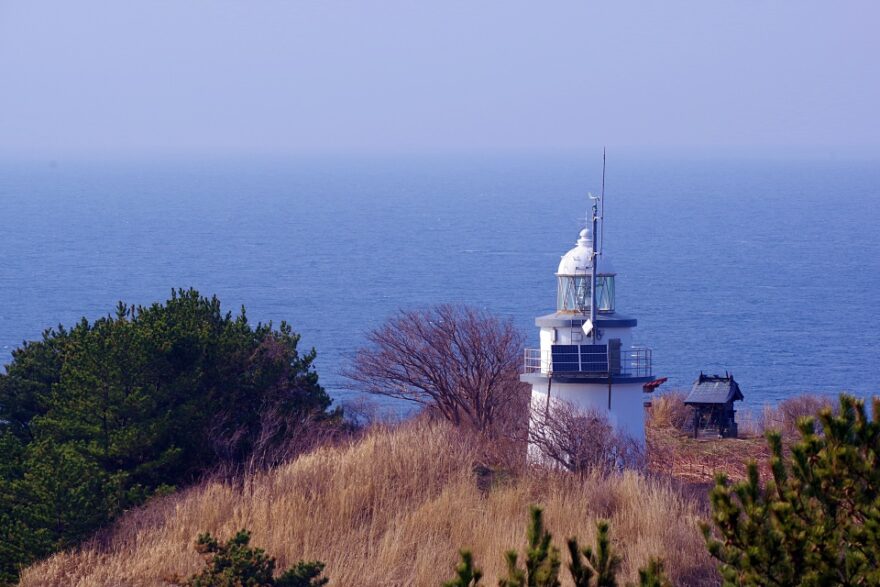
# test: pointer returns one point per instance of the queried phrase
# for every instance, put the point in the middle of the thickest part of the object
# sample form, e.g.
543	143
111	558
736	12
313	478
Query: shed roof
714	389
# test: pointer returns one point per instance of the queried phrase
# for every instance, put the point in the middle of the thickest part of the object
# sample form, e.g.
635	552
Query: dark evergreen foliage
817	520
588	567
466	575
96	418
237	564
597	567
653	575
542	558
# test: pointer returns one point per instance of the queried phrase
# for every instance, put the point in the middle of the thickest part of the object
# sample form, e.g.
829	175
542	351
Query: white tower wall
627	411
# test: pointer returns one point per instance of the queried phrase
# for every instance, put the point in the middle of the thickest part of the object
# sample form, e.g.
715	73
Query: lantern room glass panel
573	293
605	293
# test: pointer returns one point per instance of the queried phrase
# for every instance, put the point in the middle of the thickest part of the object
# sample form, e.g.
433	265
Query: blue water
768	269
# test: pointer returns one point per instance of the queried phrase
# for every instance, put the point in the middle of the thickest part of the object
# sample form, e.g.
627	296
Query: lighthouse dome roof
577	261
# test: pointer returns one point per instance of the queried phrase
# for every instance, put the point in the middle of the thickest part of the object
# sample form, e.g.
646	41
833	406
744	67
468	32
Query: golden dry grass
669	411
699	460
672	449
390	509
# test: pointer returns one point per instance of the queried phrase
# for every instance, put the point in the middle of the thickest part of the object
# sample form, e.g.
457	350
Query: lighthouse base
622	403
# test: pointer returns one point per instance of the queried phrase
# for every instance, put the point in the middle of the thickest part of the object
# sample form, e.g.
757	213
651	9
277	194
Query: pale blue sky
258	77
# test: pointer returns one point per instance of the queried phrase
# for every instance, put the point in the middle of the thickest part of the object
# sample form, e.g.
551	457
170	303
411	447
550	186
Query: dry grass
390	509
673	451
698	460
669	412
784	417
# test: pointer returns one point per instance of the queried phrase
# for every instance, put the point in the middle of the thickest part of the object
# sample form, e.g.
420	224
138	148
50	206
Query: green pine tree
516	577
466	574
542	558
597	567
653	575
97	418
237	564
588	567
817	520
53	498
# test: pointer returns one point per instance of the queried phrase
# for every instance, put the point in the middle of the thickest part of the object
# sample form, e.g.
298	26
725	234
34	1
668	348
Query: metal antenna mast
602	212
593	262
597	238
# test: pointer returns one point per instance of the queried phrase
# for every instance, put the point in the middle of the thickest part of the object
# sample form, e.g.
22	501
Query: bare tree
460	362
785	416
581	440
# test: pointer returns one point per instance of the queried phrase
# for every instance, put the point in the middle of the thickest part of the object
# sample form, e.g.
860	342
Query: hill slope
390	509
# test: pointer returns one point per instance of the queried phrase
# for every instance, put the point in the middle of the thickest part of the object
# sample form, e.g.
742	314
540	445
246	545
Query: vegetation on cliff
392	508
100	416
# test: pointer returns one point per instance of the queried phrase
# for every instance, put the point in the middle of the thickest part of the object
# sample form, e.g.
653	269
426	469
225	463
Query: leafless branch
581	441
460	362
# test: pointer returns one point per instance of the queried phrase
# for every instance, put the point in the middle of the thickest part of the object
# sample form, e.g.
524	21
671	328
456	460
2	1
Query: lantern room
574	278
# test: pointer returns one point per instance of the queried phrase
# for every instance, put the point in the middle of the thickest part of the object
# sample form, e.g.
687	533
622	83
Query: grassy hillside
390	509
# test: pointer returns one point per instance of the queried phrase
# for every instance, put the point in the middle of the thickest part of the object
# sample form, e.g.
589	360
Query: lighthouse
587	357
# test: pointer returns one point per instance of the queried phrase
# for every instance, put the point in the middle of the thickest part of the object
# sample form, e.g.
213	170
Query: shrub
817	520
581	441
237	564
98	417
790	411
458	362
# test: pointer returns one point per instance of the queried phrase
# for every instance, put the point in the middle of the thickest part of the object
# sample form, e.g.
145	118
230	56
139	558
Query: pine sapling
542	558
516	577
236	563
602	563
653	575
816	521
588	567
466	574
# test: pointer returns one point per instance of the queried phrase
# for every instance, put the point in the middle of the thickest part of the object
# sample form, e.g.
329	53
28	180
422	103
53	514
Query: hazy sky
92	77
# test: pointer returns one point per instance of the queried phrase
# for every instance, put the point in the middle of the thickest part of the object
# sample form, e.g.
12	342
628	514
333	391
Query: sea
766	268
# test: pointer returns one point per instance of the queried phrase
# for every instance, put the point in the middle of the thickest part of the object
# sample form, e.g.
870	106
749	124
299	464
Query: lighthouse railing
536	361
637	362
634	362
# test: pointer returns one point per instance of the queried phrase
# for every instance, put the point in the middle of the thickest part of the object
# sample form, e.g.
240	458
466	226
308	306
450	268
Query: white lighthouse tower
587	357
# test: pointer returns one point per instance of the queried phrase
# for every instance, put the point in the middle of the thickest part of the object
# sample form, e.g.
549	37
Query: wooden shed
712	398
